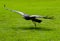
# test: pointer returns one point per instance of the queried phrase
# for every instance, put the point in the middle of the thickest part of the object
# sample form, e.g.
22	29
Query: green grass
14	28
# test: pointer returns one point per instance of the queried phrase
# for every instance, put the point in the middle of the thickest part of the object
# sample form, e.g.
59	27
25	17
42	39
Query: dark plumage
27	17
33	18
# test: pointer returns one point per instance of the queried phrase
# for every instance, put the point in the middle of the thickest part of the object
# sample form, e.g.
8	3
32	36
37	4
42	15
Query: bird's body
33	18
28	17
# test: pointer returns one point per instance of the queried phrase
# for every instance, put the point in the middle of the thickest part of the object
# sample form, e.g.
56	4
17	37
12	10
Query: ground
14	28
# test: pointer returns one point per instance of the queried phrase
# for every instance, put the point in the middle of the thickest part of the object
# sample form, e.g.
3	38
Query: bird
33	18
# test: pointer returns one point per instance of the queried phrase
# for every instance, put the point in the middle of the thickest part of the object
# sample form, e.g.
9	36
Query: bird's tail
49	17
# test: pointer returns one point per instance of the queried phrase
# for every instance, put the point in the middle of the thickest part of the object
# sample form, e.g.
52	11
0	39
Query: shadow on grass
32	28
38	28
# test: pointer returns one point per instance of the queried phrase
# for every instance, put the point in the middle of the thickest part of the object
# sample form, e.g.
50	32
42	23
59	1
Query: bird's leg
34	23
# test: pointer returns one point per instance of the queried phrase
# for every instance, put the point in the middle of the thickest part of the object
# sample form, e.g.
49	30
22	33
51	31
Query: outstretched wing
37	16
14	10
45	17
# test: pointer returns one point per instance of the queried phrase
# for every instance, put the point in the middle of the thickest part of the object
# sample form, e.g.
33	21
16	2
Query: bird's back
27	17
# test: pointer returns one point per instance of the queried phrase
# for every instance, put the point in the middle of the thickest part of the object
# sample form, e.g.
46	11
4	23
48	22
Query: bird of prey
33	18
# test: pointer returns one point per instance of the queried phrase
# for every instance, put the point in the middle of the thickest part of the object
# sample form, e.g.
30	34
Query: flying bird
33	18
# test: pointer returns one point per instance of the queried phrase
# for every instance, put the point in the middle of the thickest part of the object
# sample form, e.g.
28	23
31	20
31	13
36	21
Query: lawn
14	28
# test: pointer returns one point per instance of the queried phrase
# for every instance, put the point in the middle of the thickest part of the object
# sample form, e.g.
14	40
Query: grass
14	28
